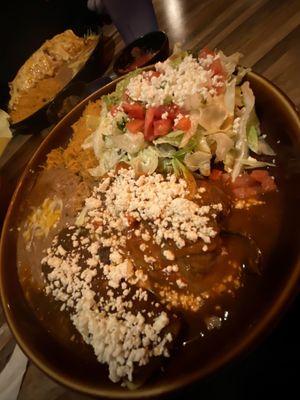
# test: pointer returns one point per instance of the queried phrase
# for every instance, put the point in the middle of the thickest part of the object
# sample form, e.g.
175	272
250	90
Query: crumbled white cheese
181	284
119	337
190	77
169	255
149	259
159	201
143	247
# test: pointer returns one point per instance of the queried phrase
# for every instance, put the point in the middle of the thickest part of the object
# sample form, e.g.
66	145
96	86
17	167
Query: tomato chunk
205	52
159	111
250	185
267	182
269	185
135	125
243	180
184	124
148	131
259	175
215	174
162	127
134	110
173	110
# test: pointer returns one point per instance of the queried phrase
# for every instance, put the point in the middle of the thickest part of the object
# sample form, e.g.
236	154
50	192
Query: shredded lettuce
252	138
251	162
215	134
181	171
165	150
165	165
223	144
108	160
229	160
229	97
177	56
265	148
132	143
174	138
198	161
189	147
241	143
257	144
202	144
115	97
176	59
146	161
229	62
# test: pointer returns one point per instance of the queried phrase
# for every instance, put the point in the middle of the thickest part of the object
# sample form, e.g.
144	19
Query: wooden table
267	32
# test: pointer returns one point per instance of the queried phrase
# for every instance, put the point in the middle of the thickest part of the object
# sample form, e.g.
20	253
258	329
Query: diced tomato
269	185
159	111
184	124
148	130
243	181
217	69
250	185
205	52
172	110
267	182
215	174
162	127
135	125
134	110
259	175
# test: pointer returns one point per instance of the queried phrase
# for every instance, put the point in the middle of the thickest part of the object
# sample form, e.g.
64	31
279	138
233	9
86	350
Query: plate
259	309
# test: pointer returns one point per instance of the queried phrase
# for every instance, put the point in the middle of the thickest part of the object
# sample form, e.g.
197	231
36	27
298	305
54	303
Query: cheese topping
97	281
175	84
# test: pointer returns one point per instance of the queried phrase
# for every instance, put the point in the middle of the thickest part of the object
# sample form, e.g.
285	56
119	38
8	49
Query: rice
74	157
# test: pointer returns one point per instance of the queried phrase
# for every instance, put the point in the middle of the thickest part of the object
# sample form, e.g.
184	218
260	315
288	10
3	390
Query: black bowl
155	42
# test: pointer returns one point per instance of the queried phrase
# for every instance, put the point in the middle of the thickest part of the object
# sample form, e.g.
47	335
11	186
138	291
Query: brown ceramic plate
258	308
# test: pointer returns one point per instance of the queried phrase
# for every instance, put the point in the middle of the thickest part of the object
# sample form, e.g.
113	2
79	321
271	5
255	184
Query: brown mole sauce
218	276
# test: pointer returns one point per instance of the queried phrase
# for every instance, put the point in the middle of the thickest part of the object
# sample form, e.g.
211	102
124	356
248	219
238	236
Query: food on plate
47	71
182	116
139	235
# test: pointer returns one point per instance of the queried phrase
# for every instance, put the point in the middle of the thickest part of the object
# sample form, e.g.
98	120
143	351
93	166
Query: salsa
139	58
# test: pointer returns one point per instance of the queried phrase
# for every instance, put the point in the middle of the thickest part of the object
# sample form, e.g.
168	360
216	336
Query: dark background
270	370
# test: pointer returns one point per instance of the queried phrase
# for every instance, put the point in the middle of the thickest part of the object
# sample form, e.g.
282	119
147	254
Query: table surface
267	32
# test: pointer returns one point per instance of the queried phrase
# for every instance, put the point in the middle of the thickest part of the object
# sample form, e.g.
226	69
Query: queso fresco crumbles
142	224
